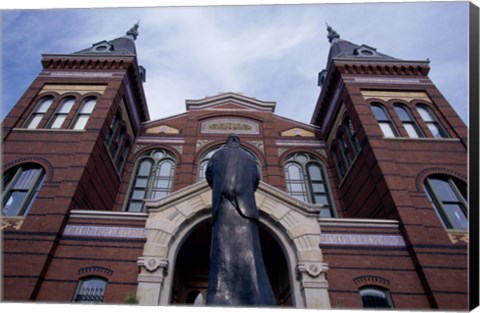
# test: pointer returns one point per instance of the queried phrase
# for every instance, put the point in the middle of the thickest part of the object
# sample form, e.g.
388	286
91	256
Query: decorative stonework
369	279
12	223
153	263
257	143
396	95
201	143
230	125
312	269
81	89
165	129
104	231
362	240
281	151
458	237
297	132
179	148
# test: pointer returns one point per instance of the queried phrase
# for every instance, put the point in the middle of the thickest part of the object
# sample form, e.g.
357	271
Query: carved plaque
230	125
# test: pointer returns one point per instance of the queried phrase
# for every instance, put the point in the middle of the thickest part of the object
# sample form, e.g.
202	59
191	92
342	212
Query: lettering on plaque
230	125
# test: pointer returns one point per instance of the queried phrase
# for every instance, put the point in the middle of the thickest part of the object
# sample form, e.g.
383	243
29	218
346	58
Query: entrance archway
190	279
288	227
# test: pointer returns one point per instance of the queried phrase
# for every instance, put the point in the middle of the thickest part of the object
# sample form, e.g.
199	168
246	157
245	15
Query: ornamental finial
134	31
332	34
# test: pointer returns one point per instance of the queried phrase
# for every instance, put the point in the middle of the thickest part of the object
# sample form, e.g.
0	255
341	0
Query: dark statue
237	272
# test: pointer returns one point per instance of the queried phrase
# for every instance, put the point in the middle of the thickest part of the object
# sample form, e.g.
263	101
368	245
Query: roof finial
332	34
134	31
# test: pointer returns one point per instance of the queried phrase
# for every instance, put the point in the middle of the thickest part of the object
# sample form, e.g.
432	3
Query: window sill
423	139
50	130
13	222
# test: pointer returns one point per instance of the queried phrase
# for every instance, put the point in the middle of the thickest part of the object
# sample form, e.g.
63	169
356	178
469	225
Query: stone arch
291	222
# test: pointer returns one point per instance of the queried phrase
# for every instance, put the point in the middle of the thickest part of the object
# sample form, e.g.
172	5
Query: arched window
352	135
384	121
202	165
449	198
408	121
90	290
20	188
432	122
306	180
344	148
61	113
40	110
338	163
112	129
375	297
153	179
83	114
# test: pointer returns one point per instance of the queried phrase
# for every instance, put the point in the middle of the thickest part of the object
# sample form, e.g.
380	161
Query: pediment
297	132
230	102
163	129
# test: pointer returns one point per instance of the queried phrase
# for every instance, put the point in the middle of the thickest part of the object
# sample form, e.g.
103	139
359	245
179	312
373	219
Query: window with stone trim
20	188
352	135
39	112
83	114
408	121
61	113
384	120
202	165
434	126
306	180
153	180
90	290
448	197
375	297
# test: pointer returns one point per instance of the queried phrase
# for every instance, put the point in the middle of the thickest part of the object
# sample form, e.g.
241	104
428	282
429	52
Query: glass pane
443	190
138	194
88	106
318	187
81	122
402	114
141	183
165	169
296	187
426	116
145	168
66	106
412	132
301	197
162	183
379	113
326	213
35	121
301	158
434	130
26	179
135	206
321	199
315	173
158	195
44	105
158	155
387	129
457	217
58	121
91	291
13	204
294	172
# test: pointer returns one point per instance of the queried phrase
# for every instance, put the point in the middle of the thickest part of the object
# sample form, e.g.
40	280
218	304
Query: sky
268	52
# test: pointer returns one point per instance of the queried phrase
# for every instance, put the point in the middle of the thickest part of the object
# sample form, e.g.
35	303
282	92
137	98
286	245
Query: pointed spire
332	34
133	32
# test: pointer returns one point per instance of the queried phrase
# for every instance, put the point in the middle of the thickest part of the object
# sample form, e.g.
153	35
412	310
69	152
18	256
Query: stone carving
237	271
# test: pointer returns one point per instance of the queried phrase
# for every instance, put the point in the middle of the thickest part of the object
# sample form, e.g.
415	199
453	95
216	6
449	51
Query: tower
65	145
400	152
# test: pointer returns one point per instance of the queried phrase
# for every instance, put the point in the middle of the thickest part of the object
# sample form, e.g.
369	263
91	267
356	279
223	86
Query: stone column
314	284
150	280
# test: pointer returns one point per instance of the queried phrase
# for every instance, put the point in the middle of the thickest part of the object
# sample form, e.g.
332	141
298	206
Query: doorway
190	281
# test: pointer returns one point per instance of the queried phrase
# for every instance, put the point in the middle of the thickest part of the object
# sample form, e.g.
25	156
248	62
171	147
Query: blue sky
271	52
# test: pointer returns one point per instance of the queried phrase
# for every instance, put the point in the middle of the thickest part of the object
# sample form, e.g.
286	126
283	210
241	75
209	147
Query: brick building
364	207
